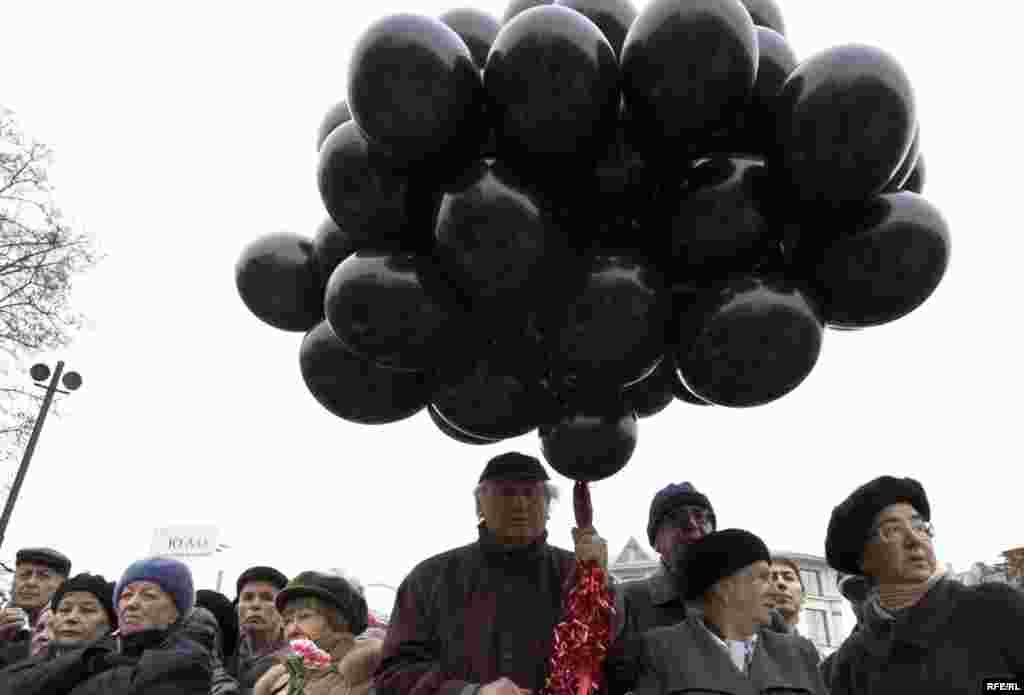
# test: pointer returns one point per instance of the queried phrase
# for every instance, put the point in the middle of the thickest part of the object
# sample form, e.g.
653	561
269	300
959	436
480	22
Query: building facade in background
824	619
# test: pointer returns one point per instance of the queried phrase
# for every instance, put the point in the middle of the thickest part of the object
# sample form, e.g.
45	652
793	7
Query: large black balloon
277	278
552	84
612	17
331	245
365	194
906	168
414	90
653	393
499	241
613	332
719	225
355	389
915	182
392	309
884	264
334	117
591	442
687	67
476	28
454	432
766	13
492	400
757	339
845	121
516	7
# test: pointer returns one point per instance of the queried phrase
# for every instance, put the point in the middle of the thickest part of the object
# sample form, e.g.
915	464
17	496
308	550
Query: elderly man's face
256	612
34	584
684	526
786	592
899	550
515	512
749	600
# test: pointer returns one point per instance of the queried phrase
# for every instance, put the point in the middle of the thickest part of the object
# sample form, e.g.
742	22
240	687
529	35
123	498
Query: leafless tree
39	256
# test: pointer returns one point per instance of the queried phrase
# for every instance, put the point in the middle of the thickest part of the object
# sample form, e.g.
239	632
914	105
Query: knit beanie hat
672	497
719	555
173	576
851	521
94	584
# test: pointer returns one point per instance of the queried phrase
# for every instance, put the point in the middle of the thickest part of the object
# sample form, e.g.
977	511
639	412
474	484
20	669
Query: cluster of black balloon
568	219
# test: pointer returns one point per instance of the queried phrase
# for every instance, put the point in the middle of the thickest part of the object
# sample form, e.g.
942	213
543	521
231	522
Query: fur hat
227	617
852	520
672	497
719	555
48	557
94	584
173	576
333	590
514	466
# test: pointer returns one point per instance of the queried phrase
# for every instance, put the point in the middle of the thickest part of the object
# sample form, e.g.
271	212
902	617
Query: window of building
812	582
816	622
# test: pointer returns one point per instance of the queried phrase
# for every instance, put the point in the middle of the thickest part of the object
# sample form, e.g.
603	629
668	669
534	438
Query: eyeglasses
685	515
895	531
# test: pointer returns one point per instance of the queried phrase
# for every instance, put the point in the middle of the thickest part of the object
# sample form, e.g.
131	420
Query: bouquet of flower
305	657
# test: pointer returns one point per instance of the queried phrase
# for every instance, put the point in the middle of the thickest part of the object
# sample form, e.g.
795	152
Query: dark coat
686	658
946	643
472	615
13	651
248	669
643	605
173	666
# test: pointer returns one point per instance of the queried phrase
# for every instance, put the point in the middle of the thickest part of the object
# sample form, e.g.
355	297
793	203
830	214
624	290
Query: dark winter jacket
946	643
249	668
472	615
686	658
645	604
148	663
13	651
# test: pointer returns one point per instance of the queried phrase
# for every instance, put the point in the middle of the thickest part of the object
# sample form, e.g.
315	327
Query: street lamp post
39	372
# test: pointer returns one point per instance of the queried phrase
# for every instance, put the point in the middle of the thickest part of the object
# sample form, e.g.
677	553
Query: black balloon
591	442
884	264
845	121
906	168
454	432
277	279
476	28
612	17
552	83
355	389
414	90
653	393
392	309
687	67
766	13
500	241
915	182
719	225
331	245
613	332
755	341
516	7
365	195
337	115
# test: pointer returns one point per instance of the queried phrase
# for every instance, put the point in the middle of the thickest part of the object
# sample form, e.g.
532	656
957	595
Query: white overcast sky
184	130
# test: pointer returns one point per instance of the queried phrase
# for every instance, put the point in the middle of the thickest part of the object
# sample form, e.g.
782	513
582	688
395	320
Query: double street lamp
39	373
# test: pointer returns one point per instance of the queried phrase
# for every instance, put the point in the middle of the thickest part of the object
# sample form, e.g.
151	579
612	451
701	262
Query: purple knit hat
173	576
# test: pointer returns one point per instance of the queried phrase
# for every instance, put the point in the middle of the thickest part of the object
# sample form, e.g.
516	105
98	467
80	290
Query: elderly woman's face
79	618
304	622
145	606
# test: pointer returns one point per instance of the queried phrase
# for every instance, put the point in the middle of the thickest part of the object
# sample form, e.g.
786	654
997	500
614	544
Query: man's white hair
551	494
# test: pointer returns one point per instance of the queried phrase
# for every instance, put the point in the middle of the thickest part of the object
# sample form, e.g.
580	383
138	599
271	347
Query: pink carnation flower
313	657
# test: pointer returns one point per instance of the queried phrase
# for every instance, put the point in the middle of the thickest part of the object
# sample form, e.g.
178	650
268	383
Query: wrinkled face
785	591
145	606
682	525
515	512
34	584
303	621
79	618
899	550
256	611
748	592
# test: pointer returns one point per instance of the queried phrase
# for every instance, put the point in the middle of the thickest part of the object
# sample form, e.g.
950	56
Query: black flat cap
47	557
514	466
271	576
719	555
851	521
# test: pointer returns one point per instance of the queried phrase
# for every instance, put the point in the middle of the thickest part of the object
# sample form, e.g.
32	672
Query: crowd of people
720	615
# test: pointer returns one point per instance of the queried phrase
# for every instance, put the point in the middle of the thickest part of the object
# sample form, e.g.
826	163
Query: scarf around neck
886	601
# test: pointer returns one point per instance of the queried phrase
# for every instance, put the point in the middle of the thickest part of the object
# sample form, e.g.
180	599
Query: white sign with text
185	541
